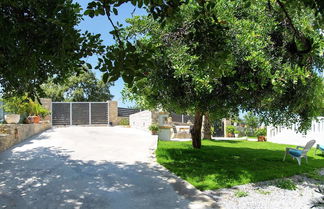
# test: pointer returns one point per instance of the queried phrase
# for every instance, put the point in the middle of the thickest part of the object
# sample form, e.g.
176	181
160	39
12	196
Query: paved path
91	167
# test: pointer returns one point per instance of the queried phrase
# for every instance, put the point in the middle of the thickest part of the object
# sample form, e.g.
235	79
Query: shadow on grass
233	141
218	164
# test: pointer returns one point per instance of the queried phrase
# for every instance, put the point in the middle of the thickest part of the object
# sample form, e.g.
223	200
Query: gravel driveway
91	167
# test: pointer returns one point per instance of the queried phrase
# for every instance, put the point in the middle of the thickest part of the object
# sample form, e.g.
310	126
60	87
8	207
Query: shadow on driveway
46	177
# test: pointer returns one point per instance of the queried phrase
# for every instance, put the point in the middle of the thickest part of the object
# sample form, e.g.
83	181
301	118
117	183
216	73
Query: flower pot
12	118
230	135
236	135
30	119
262	139
154	132
36	119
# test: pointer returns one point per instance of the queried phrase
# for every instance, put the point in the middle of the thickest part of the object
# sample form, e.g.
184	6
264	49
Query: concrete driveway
91	167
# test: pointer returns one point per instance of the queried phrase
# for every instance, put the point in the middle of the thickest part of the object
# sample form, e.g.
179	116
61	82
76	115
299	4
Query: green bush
124	122
286	184
15	105
154	128
261	132
36	109
24	106
230	129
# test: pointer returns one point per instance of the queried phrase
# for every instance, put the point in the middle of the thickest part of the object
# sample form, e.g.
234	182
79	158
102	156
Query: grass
240	193
264	192
315	175
286	184
220	164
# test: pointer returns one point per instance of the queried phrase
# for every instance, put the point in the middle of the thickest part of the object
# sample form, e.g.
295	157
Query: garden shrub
261	132
124	122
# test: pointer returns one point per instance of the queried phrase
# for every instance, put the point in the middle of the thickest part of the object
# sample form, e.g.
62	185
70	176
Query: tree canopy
221	57
38	41
84	87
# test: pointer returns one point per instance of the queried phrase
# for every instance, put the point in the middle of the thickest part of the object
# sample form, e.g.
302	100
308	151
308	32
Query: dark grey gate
99	113
61	113
79	113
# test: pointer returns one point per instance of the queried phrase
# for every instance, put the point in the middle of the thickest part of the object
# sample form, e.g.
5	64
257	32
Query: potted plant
230	131
236	133
35	111
261	134
154	128
14	107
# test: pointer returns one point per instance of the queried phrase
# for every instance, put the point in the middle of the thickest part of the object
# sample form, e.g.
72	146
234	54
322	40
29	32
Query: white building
289	135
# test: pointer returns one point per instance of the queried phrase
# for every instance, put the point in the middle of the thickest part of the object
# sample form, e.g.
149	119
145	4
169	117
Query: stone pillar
47	103
113	112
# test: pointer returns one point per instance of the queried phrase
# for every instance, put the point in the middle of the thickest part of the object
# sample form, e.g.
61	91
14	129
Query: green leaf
89	66
105	77
115	11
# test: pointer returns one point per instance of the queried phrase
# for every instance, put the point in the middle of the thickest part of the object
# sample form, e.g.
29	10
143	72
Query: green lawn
220	164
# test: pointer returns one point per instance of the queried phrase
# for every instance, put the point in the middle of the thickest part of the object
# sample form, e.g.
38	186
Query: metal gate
79	113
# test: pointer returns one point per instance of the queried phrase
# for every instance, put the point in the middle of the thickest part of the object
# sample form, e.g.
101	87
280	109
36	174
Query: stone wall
16	133
141	120
47	103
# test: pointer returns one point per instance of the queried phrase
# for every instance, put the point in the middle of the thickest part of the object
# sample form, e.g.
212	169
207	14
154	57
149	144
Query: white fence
289	135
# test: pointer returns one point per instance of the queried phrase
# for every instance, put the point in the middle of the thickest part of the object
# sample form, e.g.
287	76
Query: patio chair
320	147
299	154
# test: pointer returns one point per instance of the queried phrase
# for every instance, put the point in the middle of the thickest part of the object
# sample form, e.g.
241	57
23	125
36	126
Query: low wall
16	133
141	120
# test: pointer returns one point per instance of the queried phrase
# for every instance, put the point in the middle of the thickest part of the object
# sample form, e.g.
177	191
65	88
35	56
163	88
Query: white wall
141	120
289	135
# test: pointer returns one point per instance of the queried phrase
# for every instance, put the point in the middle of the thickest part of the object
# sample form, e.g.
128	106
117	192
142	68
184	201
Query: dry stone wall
12	134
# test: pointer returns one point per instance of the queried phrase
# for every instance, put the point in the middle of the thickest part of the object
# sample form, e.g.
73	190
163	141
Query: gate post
89	113
70	113
112	112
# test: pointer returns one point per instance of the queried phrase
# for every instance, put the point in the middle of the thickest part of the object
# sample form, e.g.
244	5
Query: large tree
219	57
83	87
194	56
38	41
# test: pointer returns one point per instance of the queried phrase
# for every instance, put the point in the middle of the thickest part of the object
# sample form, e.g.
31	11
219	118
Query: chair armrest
300	147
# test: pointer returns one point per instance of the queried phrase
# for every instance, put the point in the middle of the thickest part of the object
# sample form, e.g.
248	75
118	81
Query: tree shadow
46	177
214	167
230	141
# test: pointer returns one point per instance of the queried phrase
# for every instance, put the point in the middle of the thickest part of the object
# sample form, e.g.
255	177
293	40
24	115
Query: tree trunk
207	126
196	130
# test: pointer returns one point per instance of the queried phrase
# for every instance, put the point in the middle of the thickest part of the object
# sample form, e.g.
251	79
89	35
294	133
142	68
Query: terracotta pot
12	118
36	119
154	132
230	135
30	119
262	139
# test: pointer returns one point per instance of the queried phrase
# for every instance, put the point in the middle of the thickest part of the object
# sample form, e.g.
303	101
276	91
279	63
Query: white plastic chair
299	154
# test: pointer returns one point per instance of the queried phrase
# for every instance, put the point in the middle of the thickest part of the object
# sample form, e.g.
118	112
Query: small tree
252	121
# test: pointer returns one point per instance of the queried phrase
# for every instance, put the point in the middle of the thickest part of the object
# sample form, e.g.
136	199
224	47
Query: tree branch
107	11
297	33
290	22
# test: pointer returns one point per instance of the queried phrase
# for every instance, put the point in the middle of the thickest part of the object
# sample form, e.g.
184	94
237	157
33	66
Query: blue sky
101	25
